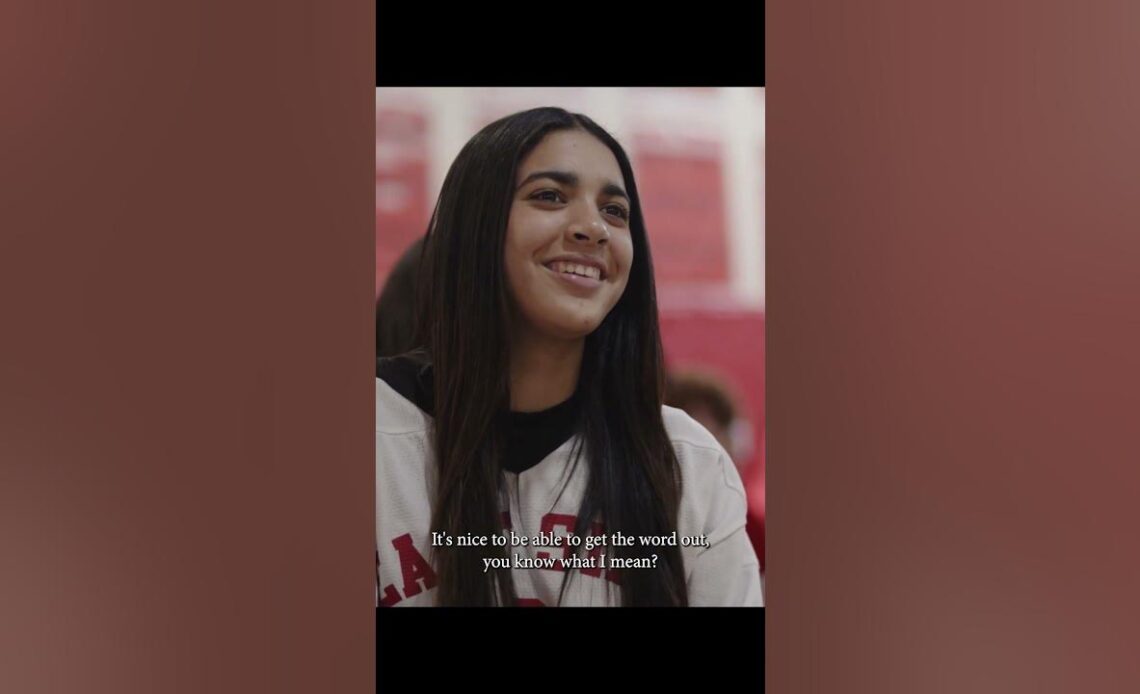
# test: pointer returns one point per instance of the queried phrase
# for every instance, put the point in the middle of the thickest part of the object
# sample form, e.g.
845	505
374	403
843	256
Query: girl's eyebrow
568	178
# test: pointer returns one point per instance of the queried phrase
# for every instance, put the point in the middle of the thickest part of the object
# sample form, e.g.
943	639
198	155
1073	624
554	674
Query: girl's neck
544	371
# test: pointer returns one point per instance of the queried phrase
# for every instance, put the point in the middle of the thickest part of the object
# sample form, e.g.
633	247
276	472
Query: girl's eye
617	211
547	196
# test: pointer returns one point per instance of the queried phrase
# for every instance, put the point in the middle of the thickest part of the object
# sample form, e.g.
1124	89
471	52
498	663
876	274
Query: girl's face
568	246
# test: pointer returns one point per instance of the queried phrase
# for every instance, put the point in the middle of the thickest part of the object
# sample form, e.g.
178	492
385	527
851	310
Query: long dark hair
634	479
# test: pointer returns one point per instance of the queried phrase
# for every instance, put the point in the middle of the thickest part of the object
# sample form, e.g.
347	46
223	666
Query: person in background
395	309
707	399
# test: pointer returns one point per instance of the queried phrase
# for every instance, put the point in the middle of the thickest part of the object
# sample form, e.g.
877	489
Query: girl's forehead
574	150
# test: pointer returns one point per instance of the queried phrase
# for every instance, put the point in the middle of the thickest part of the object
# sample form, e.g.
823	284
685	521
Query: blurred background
698	156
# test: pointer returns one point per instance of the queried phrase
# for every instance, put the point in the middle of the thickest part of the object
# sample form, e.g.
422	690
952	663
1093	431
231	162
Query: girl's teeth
575	269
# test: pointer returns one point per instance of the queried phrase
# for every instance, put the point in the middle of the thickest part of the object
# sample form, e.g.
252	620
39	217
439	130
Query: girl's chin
570	327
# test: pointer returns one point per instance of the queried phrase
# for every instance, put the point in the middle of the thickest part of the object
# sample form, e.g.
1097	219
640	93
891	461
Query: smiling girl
535	403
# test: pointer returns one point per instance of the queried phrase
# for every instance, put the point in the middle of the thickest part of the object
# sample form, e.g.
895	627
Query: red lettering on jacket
391	595
413	566
564	520
557	520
